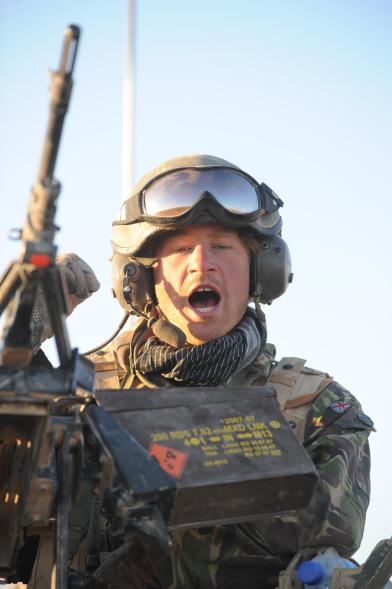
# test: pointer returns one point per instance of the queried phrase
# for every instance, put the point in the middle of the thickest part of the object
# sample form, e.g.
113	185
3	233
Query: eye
222	246
179	249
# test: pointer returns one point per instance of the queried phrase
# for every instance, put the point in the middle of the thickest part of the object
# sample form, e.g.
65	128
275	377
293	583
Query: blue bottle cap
310	572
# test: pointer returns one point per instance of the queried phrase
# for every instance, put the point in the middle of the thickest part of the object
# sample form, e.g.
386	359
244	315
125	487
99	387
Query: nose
201	259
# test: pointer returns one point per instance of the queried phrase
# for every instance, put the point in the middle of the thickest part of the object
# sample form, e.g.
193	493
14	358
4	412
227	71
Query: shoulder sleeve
336	438
111	362
106	369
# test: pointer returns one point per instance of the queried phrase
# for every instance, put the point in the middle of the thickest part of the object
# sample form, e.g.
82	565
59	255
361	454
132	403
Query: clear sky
298	93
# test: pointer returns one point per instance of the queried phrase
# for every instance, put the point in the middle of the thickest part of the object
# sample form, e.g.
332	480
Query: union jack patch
339	406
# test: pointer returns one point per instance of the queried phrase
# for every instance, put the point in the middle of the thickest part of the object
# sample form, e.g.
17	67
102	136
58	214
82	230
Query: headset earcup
133	284
270	269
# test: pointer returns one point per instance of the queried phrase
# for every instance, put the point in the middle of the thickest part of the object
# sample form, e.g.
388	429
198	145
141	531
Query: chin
200	336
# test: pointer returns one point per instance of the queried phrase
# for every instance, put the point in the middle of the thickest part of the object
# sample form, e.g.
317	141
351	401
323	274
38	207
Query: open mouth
204	299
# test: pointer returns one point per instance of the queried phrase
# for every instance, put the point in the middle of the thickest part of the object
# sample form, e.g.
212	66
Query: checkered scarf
210	364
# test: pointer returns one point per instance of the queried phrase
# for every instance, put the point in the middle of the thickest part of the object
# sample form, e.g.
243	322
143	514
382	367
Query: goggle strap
133	207
272	202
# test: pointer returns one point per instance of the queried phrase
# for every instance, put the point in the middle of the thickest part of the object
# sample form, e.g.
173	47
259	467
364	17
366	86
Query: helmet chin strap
259	312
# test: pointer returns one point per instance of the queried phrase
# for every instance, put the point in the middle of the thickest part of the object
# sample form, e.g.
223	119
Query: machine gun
26	394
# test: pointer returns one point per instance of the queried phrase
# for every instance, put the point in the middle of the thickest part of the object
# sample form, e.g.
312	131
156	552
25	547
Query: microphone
167	332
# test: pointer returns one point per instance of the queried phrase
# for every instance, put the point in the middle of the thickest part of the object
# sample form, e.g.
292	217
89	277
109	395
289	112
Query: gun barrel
39	226
60	97
70	48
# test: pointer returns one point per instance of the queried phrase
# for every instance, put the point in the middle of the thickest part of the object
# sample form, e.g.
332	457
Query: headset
270	274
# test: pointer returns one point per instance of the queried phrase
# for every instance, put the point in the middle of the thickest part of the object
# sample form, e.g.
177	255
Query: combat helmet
196	189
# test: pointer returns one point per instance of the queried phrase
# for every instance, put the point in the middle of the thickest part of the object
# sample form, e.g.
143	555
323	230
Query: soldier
196	242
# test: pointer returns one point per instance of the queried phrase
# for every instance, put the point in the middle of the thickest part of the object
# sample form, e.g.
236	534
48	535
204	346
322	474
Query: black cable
106	342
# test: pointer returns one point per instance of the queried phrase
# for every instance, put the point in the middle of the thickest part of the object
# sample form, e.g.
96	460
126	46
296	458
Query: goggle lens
176	193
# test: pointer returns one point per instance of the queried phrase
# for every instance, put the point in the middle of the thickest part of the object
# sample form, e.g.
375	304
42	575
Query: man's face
202	281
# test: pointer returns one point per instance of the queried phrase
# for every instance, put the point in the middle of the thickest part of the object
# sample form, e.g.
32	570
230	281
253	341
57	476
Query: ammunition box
232	453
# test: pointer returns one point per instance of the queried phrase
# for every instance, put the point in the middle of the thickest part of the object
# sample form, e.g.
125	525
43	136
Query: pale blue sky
299	93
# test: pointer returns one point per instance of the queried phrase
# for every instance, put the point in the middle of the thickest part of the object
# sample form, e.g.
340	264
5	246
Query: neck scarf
210	364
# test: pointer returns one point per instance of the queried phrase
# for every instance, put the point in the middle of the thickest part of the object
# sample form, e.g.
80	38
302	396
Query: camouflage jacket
330	423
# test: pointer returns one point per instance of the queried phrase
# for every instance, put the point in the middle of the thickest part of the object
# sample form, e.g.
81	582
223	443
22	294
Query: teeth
203	289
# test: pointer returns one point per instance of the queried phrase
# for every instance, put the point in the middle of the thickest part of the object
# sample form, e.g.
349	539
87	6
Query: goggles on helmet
180	195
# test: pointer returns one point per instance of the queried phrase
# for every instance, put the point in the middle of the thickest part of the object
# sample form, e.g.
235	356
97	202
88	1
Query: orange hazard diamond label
170	460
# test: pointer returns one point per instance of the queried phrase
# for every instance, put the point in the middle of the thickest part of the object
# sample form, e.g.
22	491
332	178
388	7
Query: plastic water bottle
316	573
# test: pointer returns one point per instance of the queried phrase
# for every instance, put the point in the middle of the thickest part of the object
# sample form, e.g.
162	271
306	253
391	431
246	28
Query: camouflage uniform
334	430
